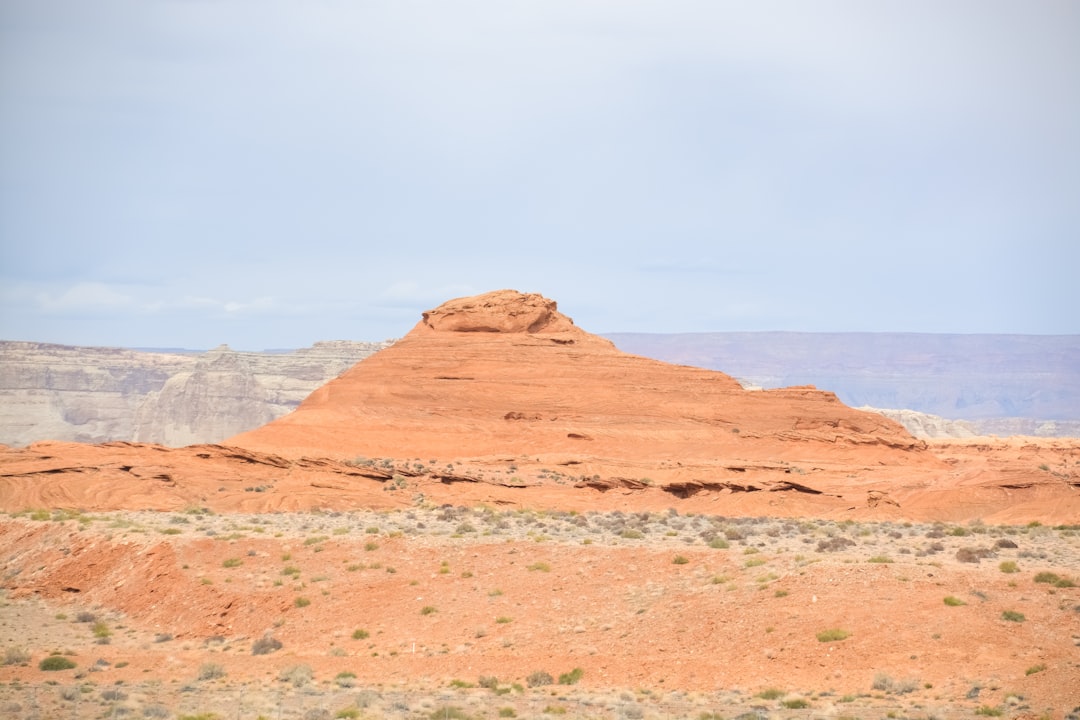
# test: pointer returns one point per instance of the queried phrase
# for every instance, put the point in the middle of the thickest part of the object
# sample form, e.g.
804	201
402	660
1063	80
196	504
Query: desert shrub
771	694
1005	543
265	645
16	656
507	712
155	710
540	567
85	617
954	601
1008	567
833	635
885	683
679	560
1013	616
835	544
301	602
113	695
360	634
795	704
880	559
296	675
1035	669
349	712
449	712
718	543
56	662
317	714
539	679
989	711
211	671
232	562
973	555
572	677
488	681
345	679
428	610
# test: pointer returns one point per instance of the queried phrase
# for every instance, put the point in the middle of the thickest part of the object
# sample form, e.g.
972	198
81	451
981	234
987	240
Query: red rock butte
507	374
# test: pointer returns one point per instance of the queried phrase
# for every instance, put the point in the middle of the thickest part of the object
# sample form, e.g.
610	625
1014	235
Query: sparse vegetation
56	662
833	635
786	545
265	645
572	677
297	675
211	671
539	679
16	656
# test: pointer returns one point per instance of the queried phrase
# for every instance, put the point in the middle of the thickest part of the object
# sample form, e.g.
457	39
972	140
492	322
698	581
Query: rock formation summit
506	374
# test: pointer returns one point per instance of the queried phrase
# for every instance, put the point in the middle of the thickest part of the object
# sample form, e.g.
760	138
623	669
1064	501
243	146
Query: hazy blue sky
269	173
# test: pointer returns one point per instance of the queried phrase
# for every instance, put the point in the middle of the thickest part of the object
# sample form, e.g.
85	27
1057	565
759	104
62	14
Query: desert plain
502	515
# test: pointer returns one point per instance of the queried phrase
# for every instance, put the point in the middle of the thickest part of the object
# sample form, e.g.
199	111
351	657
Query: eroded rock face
501	311
61	392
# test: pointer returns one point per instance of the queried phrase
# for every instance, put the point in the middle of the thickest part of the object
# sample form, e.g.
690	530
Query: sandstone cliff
60	392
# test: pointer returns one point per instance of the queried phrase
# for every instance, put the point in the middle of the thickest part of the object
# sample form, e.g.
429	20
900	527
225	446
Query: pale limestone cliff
926	426
60	392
